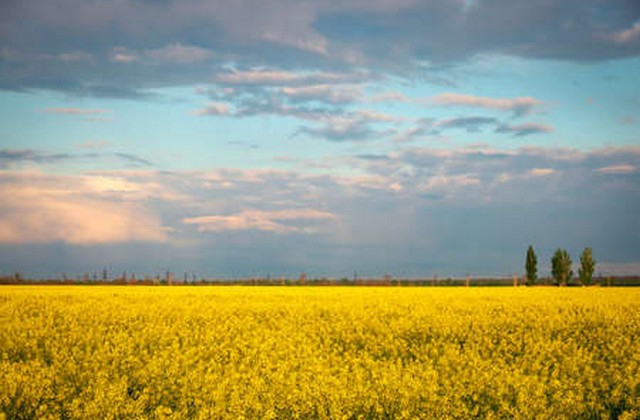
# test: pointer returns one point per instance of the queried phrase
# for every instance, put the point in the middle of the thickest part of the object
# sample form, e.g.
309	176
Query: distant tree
531	266
561	267
587	267
386	280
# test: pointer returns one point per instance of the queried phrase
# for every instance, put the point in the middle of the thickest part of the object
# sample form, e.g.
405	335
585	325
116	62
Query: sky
244	138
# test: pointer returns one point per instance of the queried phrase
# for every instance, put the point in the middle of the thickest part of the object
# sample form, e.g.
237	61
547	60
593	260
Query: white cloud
122	55
541	172
42	208
617	169
212	108
358	183
132	186
324	93
429	200
449	182
376	116
627	35
520	105
260	76
268	221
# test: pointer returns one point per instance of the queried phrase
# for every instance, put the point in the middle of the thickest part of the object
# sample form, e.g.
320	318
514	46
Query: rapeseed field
107	352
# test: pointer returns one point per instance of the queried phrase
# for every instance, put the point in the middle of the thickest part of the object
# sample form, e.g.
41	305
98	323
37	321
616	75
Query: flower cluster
335	352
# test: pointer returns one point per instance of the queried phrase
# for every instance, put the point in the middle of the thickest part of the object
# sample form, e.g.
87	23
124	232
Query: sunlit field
319	352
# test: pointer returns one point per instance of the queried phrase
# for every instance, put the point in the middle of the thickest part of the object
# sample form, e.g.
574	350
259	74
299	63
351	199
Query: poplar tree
561	267
531	266
587	267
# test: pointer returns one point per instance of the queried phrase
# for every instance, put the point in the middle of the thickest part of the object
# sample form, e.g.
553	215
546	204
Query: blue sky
235	139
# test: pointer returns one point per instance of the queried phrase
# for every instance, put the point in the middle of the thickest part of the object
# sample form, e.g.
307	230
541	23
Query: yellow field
313	352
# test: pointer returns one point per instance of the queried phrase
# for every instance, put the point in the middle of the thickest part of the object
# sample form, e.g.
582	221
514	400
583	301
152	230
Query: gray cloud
126	49
525	129
266	78
351	126
15	158
179	54
323	93
571	30
350	132
474	124
261	92
470	124
10	157
519	106
323	108
133	159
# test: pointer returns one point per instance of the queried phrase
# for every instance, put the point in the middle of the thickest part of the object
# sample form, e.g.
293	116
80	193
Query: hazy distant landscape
610	281
415	139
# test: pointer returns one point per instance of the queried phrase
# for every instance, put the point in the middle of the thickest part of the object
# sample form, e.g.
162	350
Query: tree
531	266
587	267
561	267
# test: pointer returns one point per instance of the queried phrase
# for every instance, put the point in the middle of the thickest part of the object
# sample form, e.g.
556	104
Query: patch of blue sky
588	104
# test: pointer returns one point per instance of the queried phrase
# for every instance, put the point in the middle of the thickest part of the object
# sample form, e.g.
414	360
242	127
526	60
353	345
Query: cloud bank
408	212
269	221
42	208
126	48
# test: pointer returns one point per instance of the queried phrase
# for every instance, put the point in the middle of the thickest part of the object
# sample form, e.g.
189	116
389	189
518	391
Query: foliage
587	267
531	266
335	352
561	267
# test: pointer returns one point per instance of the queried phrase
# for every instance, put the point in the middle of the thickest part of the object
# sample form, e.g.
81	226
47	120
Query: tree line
561	264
